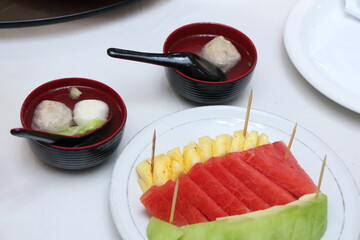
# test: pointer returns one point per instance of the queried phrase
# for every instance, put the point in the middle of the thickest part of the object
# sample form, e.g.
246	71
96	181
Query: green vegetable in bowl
79	130
74	93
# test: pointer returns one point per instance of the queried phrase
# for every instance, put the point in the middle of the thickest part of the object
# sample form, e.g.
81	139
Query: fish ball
221	52
87	110
51	116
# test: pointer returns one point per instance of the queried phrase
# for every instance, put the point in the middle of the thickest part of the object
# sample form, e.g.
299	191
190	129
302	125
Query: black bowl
101	147
191	38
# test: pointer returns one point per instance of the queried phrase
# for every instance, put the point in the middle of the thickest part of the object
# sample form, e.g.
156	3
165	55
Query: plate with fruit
186	140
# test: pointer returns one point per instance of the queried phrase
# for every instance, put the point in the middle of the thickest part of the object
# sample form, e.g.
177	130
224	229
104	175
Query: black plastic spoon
188	63
62	140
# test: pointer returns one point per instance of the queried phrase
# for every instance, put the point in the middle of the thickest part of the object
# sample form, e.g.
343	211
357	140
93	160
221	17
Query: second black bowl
191	38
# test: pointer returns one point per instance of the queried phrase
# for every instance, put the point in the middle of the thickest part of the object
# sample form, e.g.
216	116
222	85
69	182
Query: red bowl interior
58	90
192	37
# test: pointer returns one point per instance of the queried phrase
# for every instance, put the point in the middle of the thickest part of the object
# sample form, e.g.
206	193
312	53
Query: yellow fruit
144	171
191	156
177	163
237	142
205	148
263	139
174	163
222	145
162	169
251	140
143	185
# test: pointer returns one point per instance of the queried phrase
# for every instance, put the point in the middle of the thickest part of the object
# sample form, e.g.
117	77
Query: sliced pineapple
251	140
162	169
205	148
144	171
173	164
262	140
177	163
237	142
221	145
191	156
144	185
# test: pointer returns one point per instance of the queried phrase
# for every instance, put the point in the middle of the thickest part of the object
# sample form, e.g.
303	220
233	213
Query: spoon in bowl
60	139
188	63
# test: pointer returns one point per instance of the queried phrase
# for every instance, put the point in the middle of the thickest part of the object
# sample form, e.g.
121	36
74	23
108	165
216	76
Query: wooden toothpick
173	204
321	177
290	142
153	151
248	113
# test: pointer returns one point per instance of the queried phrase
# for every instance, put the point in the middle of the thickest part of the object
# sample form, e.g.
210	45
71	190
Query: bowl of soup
99	147
220	44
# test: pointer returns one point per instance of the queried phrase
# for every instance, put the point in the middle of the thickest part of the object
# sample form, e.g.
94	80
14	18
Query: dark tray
21	13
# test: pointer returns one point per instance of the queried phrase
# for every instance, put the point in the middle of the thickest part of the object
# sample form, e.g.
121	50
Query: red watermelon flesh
189	211
282	148
266	189
284	172
200	199
215	190
252	201
159	206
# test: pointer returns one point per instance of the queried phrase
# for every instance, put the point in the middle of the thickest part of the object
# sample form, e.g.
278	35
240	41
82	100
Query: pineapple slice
263	139
143	185
191	156
177	163
237	142
205	148
174	163
222	145
251	140
144	171
162	169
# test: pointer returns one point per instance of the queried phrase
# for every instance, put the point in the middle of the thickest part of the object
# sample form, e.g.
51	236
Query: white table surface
40	202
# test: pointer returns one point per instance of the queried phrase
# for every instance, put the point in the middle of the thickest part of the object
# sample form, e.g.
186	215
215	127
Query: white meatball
87	110
51	116
221	53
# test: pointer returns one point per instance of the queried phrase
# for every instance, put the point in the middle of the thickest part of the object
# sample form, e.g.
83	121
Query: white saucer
322	41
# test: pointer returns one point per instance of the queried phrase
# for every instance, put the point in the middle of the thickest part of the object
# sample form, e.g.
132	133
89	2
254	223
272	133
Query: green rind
304	219
246	226
312	220
161	230
319	226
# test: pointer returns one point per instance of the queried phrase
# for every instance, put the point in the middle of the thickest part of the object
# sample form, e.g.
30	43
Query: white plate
322	41
177	129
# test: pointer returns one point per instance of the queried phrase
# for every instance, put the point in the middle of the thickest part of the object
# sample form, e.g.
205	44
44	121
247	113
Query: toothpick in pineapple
153	151
248	113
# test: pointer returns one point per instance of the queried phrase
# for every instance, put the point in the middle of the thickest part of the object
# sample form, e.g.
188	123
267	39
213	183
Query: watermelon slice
159	206
284	172
266	189
189	211
200	199
282	148
252	201
215	190
234	184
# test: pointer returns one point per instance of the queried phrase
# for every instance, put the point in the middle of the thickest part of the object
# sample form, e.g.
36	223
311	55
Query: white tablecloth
40	202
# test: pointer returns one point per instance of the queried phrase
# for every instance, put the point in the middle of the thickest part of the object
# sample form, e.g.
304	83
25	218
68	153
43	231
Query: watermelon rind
161	230
304	219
